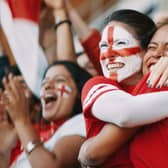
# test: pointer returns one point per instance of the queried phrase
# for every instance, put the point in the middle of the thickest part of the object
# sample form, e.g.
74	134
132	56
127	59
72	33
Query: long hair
79	75
143	26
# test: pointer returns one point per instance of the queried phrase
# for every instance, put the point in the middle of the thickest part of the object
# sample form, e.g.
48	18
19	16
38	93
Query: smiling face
120	52
58	93
157	48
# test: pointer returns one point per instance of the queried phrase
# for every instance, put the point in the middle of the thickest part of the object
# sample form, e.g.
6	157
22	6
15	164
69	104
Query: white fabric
125	110
74	126
23	36
95	91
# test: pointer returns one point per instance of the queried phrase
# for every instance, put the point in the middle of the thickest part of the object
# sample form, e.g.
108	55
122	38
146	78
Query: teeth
49	95
116	65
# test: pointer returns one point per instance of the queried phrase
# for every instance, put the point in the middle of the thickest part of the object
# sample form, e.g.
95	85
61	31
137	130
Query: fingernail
149	86
148	81
158	86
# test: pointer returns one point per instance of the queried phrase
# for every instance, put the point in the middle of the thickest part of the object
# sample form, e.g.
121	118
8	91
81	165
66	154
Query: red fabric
44	131
94	125
25	9
15	153
91	46
149	149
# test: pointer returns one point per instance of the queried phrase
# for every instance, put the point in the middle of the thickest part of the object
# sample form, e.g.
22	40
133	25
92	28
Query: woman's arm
89	37
8	136
67	150
125	110
17	105
4	160
96	150
65	47
79	24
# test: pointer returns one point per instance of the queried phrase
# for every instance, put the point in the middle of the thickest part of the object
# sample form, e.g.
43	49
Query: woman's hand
55	4
8	136
15	101
160	70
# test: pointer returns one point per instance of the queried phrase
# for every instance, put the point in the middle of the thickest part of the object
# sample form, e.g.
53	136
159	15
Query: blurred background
94	11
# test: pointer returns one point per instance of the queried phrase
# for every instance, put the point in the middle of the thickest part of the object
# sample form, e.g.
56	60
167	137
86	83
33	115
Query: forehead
120	30
160	35
56	70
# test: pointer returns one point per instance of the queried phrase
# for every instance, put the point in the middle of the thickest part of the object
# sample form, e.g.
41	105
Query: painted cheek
125	52
109	53
63	91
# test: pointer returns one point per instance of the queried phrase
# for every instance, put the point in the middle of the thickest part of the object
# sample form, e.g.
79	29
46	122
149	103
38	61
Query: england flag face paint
63	90
119	53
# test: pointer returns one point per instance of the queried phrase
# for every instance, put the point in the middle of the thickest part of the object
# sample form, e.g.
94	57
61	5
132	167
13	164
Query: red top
25	9
91	46
91	91
44	131
149	149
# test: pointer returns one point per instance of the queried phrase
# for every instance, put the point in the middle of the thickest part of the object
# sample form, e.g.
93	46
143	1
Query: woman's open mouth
114	66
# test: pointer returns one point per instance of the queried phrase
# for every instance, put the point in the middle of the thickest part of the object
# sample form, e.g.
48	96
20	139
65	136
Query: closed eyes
103	45
122	42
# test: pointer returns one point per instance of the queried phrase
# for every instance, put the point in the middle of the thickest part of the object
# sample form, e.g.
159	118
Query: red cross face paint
63	90
119	53
58	93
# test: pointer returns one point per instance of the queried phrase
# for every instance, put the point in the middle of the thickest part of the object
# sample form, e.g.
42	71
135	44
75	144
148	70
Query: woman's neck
133	80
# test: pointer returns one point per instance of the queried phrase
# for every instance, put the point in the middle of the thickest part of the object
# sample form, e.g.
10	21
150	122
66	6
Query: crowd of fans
104	107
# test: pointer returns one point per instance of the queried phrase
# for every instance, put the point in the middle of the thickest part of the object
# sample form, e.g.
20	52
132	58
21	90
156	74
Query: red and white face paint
119	53
63	90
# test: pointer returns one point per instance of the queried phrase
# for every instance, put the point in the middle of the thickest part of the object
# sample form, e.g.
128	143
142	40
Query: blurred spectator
161	17
85	63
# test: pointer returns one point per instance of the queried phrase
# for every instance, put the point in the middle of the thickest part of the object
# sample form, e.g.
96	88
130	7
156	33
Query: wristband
61	22
31	146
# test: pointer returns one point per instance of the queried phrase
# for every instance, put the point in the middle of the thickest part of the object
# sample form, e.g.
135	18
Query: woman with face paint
149	147
8	133
60	98
106	100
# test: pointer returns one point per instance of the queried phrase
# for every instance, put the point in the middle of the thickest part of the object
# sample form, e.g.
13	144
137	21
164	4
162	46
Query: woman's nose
49	85
111	59
159	52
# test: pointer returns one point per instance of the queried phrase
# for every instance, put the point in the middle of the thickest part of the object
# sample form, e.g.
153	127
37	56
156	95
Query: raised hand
160	70
16	103
8	136
55	4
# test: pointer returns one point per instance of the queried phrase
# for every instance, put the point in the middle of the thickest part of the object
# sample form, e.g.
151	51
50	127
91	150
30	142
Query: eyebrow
55	76
153	43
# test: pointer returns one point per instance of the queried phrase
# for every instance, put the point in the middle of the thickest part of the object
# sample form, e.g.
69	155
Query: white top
74	126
